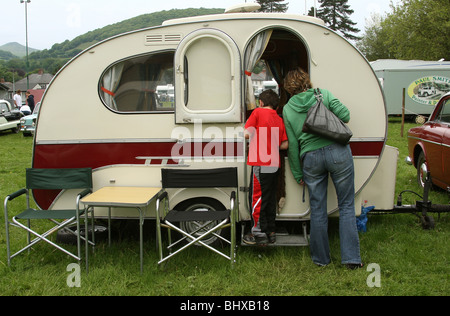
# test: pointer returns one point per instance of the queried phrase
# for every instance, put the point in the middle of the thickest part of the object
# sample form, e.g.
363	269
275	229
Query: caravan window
139	84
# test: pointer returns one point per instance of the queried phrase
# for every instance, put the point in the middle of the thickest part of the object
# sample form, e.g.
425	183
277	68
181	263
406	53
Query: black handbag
322	122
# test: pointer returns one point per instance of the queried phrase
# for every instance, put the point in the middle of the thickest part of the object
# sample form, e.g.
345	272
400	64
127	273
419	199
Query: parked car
28	123
9	116
429	146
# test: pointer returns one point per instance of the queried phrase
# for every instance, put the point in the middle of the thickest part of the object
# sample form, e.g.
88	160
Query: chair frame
75	178
197	178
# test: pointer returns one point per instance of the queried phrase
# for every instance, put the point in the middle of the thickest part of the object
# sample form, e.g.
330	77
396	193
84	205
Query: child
267	135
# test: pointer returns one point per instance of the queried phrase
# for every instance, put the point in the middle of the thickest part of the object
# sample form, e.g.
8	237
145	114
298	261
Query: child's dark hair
270	98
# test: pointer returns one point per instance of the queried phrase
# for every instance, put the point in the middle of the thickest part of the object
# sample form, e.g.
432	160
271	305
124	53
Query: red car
429	146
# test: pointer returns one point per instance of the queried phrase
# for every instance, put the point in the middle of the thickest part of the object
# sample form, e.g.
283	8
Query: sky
54	21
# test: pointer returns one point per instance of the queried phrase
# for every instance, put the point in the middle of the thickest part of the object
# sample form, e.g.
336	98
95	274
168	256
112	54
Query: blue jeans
337	161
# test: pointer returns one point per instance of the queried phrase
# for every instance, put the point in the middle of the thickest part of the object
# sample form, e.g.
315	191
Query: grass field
411	261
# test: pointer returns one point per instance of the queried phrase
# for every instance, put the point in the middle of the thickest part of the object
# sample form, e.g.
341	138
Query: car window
139	84
444	114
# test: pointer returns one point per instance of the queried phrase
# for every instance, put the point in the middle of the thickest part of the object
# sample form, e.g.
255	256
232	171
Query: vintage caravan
118	125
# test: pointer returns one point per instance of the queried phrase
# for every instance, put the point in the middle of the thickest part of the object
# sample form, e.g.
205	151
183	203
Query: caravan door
207	78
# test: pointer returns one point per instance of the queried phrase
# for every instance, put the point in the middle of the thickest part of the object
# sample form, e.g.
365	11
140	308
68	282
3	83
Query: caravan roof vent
244	7
158	39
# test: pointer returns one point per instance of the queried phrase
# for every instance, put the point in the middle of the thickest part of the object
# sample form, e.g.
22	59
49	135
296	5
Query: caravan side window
139	84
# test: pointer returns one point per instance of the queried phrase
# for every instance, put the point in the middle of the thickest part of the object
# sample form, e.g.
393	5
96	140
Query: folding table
128	197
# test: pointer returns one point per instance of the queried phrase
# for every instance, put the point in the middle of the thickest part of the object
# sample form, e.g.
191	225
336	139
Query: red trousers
262	199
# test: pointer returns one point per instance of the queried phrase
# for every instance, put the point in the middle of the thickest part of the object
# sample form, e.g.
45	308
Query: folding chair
50	179
203	219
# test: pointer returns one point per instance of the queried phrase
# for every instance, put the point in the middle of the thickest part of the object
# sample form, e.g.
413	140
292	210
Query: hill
16	49
68	49
51	60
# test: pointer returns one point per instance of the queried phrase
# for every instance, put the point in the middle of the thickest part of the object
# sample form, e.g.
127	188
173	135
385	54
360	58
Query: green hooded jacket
294	115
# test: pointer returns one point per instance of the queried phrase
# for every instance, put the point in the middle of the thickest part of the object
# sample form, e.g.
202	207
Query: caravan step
284	239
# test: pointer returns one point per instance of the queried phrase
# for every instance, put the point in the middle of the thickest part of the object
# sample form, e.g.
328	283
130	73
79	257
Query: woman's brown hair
297	81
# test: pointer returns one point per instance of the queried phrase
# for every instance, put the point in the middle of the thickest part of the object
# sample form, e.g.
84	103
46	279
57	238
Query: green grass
412	261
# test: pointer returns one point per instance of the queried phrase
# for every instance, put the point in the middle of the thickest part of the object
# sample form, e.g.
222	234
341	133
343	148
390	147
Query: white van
117	125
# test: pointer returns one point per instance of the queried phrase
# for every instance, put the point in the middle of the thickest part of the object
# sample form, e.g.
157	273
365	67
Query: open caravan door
207	78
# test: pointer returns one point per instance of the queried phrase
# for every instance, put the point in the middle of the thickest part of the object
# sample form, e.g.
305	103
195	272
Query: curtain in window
150	74
277	70
110	84
254	52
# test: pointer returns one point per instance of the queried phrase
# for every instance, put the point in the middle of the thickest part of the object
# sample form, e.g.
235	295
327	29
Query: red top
267	132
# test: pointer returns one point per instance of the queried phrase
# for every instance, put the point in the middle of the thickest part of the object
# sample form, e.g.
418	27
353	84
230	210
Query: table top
121	196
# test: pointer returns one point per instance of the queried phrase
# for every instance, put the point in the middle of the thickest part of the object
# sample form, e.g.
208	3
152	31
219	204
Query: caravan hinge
244	189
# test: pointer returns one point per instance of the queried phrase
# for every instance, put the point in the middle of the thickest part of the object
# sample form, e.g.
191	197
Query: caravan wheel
199	204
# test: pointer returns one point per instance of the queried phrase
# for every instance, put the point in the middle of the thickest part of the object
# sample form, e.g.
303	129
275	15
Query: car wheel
198	204
422	170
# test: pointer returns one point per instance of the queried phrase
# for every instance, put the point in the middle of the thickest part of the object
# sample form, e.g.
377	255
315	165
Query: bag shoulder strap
318	94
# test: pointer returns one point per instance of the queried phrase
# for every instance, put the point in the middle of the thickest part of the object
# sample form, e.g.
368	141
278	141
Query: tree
373	44
336	15
415	29
273	6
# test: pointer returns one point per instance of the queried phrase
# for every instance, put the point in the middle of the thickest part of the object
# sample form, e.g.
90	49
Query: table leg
109	226
86	238
141	237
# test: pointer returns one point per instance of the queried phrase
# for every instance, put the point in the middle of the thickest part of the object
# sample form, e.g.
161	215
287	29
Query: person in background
25	110
18	99
312	160
30	101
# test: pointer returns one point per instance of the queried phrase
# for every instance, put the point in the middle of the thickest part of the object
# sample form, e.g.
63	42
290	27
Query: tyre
199	204
422	170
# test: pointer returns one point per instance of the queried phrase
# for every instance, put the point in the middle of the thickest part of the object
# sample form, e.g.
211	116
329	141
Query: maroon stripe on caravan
96	155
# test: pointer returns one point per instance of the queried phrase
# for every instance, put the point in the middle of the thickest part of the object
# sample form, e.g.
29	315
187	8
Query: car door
432	142
3	109
446	157
444	121
6	112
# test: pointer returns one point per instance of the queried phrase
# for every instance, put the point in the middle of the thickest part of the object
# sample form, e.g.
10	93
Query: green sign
428	90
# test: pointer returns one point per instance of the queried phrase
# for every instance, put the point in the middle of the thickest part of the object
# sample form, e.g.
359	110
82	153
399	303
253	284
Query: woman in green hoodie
312	159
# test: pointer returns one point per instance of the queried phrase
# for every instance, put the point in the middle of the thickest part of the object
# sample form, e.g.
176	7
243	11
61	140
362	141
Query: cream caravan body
121	126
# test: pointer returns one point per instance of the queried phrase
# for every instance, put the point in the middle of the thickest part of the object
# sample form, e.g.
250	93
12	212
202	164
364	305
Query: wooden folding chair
203	219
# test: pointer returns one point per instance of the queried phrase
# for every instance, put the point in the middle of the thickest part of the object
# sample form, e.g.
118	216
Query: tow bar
423	207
